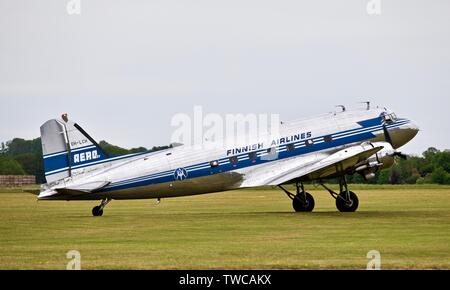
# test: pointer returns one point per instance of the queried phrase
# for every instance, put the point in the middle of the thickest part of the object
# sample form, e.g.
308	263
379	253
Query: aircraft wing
316	167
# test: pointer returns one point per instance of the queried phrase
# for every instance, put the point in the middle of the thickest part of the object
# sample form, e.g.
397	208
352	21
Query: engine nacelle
381	160
385	155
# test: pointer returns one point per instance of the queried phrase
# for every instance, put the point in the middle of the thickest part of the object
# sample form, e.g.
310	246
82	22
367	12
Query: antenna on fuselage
342	107
367	105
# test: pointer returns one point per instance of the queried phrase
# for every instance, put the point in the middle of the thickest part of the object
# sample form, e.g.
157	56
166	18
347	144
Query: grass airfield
246	229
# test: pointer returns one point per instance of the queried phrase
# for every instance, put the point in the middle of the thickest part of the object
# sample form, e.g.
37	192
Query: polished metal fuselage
154	175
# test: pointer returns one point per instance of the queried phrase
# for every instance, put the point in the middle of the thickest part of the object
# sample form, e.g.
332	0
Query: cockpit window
389	118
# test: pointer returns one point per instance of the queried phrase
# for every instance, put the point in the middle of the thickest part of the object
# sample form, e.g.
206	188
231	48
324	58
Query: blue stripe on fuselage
350	136
56	163
78	158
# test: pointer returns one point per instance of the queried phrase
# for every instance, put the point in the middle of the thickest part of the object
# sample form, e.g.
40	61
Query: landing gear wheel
347	205
97	211
301	205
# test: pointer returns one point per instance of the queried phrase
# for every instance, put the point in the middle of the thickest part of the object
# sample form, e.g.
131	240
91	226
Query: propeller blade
387	136
401	155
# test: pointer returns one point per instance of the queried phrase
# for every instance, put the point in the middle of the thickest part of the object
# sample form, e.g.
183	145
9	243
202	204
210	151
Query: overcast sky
122	69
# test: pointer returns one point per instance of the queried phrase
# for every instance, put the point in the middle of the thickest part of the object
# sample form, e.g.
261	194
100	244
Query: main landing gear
346	201
302	201
98	210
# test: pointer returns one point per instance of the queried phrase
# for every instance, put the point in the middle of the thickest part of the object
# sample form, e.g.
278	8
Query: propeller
401	155
387	138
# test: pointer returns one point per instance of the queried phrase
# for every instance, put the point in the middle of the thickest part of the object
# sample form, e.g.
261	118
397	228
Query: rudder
67	149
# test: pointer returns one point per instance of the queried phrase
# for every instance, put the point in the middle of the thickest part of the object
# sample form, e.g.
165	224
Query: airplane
332	145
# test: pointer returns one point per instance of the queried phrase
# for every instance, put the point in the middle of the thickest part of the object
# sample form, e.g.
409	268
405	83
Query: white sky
122	69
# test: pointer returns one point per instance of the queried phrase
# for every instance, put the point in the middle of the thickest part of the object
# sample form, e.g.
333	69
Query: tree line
24	157
432	167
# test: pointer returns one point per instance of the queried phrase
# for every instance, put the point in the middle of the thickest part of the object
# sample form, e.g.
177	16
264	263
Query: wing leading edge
336	163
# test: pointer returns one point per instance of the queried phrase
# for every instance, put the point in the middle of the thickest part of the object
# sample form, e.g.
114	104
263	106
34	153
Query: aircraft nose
413	127
404	134
409	131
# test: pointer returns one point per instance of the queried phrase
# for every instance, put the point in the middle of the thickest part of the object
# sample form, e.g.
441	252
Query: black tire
302	205
347	206
96	211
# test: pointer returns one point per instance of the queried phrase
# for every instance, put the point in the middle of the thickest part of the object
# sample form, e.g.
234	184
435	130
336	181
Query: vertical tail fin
67	149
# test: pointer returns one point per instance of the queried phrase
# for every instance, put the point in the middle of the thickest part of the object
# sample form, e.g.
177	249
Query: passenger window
309	142
328	138
290	147
252	156
234	160
214	163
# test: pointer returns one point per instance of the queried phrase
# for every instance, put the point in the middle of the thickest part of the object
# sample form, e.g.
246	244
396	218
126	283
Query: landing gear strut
302	201
98	210
346	201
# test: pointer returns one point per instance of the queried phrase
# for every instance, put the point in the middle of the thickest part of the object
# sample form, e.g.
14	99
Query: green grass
248	229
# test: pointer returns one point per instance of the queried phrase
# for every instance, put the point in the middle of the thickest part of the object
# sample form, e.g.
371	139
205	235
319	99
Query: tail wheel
97	211
345	204
303	202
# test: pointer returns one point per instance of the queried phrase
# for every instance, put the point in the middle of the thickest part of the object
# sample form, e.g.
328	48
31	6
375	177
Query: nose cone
413	127
404	134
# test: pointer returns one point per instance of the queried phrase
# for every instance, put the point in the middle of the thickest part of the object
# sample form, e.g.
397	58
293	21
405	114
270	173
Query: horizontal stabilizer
83	188
32	191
